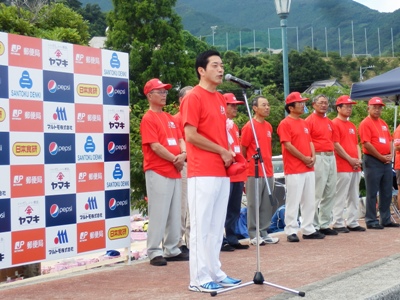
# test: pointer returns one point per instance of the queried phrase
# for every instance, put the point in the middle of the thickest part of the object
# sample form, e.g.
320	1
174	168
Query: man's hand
179	161
309	161
227	157
355	163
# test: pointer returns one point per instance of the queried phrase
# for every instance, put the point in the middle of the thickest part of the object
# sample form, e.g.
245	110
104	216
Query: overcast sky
381	5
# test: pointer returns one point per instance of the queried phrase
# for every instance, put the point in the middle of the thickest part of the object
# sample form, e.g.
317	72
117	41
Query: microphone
244	84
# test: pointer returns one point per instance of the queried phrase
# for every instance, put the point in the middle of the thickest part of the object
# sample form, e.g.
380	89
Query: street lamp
282	10
213	28
363	69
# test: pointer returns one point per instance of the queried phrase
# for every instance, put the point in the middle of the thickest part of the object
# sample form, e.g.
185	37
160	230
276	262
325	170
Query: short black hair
202	60
254	102
289	105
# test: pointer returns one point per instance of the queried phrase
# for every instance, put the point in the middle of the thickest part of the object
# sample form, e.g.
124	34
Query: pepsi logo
112	204
111	147
53	148
110	91
54	210
52	86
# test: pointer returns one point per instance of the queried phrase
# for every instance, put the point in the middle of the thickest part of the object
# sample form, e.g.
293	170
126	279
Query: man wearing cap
377	165
204	120
263	132
231	242
321	132
164	152
185	217
298	164
348	164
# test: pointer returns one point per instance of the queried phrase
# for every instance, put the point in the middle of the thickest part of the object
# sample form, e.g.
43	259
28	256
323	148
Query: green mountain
332	25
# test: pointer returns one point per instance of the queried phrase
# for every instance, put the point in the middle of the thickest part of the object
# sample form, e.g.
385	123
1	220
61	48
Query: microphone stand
258	276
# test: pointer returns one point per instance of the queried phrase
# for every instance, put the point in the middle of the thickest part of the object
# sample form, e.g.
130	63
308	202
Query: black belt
330	153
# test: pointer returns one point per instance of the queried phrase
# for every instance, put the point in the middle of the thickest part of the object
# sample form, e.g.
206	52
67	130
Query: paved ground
356	265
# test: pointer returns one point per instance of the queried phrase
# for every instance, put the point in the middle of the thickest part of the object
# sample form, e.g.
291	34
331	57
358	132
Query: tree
55	22
152	33
96	18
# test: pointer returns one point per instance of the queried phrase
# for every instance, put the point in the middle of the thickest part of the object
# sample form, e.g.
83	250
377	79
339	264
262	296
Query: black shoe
240	246
314	236
341	229
391	225
227	248
158	261
375	226
184	249
293	238
357	228
328	231
179	257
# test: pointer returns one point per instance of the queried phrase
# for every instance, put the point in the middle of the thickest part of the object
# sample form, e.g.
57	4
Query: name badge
171	142
382	140
236	149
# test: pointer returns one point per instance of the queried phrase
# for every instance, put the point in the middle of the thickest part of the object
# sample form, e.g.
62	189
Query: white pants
347	196
185	217
300	192
208	201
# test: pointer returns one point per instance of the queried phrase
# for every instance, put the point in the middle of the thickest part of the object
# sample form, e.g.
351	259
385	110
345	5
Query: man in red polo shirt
204	120
321	132
298	165
377	165
164	152
263	132
348	163
231	242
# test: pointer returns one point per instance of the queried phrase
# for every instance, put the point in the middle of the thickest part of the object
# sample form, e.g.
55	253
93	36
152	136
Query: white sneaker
260	241
270	240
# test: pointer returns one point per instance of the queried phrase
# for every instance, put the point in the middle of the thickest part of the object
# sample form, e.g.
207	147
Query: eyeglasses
160	92
322	103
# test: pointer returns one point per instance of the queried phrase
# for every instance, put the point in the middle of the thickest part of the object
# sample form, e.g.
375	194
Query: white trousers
300	193
208	201
347	196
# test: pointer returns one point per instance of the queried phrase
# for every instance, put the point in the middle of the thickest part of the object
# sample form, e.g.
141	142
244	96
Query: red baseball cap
376	101
231	99
295	97
345	99
154	84
238	167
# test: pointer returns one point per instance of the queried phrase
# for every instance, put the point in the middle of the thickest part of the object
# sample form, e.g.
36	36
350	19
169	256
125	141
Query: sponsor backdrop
64	150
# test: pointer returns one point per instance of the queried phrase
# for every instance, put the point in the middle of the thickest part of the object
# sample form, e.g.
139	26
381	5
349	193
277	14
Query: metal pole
240	43
360	74
340	44
366	42
285	57
391	30
297	32
269	43
352	35
326	43
254	41
312	38
379	42
227	48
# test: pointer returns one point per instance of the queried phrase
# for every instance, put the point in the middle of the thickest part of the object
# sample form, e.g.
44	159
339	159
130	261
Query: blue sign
117	203
116	147
59	148
3	82
4	148
5	215
115	91
58	87
60	210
